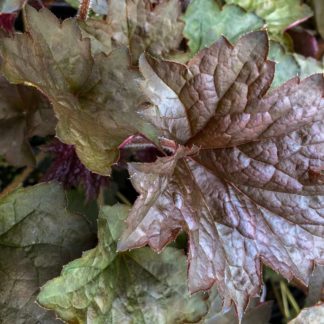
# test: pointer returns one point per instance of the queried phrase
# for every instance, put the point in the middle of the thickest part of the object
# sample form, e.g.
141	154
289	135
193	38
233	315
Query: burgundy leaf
245	197
304	42
68	169
7	21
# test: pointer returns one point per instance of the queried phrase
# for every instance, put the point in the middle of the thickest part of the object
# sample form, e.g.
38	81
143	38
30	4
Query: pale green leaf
133	287
206	22
308	65
286	66
37	237
278	14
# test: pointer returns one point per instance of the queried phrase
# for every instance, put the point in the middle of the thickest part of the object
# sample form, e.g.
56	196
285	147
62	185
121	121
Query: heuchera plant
234	140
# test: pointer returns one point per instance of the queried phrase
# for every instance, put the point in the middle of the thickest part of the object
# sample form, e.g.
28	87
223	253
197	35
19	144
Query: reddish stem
84	9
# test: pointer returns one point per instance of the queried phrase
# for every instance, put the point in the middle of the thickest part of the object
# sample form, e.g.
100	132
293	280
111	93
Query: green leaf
9	6
37	237
309	65
206	22
133	287
24	113
286	67
278	14
96	101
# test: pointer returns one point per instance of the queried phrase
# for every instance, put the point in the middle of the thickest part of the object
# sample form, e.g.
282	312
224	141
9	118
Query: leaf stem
284	299
123	199
84	9
18	180
292	301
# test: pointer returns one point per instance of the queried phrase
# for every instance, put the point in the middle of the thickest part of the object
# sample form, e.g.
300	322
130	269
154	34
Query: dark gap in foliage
7	174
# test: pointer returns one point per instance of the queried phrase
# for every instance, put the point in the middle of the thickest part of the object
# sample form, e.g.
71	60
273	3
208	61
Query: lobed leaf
37	237
206	22
146	25
134	287
95	101
278	14
248	195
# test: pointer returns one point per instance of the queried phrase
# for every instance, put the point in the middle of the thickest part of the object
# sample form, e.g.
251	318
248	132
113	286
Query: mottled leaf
206	22
95	101
311	315
135	287
24	112
278	14
146	25
247	195
37	237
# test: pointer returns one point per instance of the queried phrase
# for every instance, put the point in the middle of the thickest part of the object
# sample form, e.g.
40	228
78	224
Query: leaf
134	287
316	287
146	25
37	237
9	6
206	22
278	14
310	315
98	6
286	65
309	65
96	111
247	195
256	312
24	113
319	12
